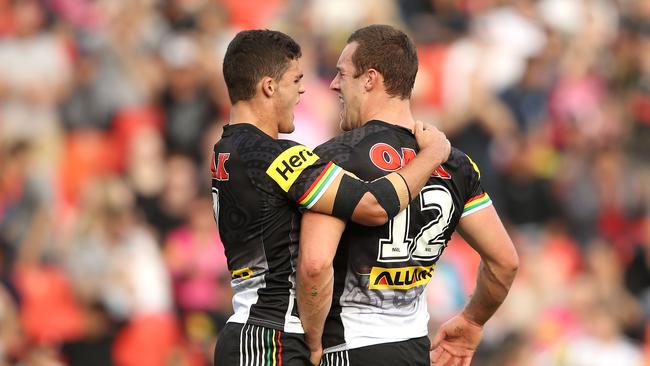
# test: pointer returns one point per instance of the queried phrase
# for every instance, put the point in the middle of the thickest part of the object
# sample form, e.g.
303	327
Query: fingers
448	150
440	357
443	359
435	342
435	354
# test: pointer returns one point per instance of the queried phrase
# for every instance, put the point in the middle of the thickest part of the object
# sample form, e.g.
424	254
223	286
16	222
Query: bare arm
319	239
499	262
458	338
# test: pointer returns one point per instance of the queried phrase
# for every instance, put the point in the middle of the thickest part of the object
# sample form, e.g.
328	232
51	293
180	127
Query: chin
346	125
287	129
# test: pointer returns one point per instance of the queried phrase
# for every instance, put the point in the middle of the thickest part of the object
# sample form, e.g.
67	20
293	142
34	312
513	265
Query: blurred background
109	254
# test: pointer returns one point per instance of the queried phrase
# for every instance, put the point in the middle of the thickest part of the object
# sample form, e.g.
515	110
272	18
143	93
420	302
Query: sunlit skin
271	108
289	89
351	90
364	98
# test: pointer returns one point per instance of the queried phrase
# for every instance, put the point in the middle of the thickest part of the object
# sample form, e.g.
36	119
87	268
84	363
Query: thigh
252	345
413	352
226	352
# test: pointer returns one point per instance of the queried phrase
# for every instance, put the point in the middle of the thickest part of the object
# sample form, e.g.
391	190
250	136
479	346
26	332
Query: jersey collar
390	126
236	128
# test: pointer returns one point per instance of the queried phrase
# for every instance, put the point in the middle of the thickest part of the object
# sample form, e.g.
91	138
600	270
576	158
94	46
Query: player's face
288	95
350	89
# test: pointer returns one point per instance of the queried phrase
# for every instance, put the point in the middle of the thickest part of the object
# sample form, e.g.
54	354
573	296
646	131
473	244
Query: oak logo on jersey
402	278
243	273
388	159
440	172
286	168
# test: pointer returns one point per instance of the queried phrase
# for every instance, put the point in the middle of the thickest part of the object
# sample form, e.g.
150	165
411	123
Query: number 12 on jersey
429	242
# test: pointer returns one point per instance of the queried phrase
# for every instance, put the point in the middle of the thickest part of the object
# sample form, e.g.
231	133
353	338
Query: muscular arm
484	231
319	239
457	339
406	182
416	174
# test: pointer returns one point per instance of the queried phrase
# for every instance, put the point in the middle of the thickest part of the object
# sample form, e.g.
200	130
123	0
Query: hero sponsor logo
402	278
286	168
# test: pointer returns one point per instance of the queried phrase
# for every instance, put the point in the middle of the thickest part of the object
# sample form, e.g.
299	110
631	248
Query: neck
391	110
254	114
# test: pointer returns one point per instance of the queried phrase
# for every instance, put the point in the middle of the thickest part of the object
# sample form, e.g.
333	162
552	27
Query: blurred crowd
109	254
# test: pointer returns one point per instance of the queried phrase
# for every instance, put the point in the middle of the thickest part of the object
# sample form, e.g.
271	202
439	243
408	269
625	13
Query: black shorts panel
253	345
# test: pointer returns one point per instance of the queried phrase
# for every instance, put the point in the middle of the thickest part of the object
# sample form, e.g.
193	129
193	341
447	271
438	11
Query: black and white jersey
380	273
258	184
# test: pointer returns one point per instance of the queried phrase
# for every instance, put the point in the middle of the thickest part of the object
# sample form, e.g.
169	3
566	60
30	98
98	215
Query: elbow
377	218
370	214
313	267
510	264
504	267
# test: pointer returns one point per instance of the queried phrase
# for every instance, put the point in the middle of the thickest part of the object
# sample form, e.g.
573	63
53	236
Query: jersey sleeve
300	173
475	198
337	151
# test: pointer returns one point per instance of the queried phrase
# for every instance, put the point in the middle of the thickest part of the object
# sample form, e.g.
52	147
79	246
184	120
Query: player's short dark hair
254	54
389	51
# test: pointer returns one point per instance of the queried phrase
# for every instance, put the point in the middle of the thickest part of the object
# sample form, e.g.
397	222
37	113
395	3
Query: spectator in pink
196	260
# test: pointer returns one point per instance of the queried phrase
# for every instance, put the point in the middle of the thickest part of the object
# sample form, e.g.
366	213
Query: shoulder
350	140
461	169
259	149
460	161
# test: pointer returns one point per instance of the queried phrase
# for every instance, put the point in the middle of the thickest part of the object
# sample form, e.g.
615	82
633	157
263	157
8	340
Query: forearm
416	174
319	238
314	298
406	182
492	286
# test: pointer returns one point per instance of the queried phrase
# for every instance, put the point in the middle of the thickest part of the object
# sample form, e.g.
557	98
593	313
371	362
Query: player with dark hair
361	290
258	184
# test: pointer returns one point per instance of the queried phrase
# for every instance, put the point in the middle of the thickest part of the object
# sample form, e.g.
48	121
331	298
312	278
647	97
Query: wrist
314	345
315	349
432	154
471	320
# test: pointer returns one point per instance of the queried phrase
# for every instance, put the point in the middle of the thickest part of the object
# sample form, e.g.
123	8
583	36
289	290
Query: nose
301	89
334	85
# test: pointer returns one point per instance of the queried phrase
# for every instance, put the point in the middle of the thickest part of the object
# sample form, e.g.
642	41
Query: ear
268	86
373	79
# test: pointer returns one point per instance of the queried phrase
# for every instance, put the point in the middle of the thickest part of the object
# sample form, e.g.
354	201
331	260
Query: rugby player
361	290
258	184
